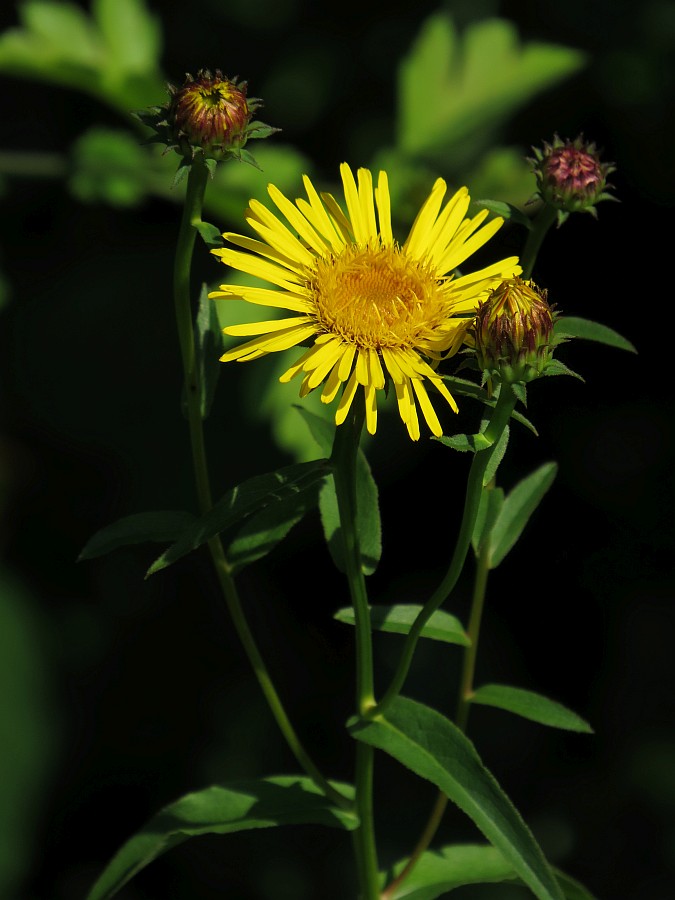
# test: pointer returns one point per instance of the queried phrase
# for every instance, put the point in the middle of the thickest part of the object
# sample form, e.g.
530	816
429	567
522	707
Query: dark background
141	691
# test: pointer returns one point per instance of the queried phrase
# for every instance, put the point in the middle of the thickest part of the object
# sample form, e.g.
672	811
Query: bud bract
513	332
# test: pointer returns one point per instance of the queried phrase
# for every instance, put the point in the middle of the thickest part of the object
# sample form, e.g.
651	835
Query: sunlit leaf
222	809
531	706
572	326
435	749
399	619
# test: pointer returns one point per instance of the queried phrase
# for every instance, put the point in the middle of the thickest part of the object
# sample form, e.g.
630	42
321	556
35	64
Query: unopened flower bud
513	332
210	112
570	176
209	115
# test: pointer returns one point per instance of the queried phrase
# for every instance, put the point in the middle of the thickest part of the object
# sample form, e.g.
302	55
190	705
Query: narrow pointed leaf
464	442
368	523
449	868
159	527
208	349
221	809
262	531
491	502
572	326
531	706
399	619
435	749
438	872
240	502
518	506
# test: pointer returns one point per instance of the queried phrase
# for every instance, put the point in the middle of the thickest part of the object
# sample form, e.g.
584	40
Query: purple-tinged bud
570	176
513	332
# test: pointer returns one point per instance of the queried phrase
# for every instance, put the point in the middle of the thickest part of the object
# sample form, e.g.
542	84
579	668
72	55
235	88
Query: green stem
535	236
498	422
192	211
473	632
345	449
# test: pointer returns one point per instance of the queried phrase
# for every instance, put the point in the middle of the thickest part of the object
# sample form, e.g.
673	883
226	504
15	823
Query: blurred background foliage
117	695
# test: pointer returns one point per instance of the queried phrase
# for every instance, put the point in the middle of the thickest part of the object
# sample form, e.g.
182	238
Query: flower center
377	297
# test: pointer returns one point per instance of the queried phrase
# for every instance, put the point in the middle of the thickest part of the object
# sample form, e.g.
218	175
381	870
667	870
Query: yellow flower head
371	310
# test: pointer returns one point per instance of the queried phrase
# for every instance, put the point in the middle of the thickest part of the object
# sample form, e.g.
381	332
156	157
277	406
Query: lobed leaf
531	706
399	619
221	809
158	527
516	510
240	502
435	749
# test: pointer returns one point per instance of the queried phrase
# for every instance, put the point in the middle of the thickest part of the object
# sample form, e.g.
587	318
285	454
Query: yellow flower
371	310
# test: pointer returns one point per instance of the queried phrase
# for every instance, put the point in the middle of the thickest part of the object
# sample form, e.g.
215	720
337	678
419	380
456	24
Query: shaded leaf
158	527
516	510
399	619
531	706
241	501
572	326
221	809
491	502
368	523
208	349
262	531
435	749
506	211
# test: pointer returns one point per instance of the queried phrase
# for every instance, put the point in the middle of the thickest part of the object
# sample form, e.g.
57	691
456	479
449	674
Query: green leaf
491	502
518	506
109	166
241	501
399	619
221	809
158	527
262	531
368	523
438	872
464	442
572	326
530	706
506	211
208	349
451	99
132	36
444	870
497	456
209	233
435	749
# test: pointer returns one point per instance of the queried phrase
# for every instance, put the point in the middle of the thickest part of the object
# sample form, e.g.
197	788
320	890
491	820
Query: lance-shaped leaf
572	326
241	501
449	868
438	872
222	809
516	510
368	524
262	531
531	706
399	619
435	749
208	348
158	527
